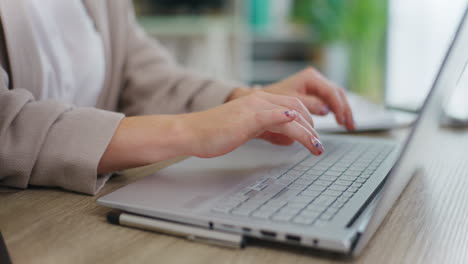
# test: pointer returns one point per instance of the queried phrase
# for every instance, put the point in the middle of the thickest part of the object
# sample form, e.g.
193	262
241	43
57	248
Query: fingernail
317	144
344	120
324	110
291	113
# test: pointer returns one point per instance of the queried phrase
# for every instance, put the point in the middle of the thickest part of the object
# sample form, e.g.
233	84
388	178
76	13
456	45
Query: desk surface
429	224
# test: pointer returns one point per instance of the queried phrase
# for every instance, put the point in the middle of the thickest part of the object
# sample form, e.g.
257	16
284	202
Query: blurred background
385	50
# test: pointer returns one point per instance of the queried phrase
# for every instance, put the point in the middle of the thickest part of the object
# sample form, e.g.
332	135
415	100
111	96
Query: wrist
167	137
144	140
238	92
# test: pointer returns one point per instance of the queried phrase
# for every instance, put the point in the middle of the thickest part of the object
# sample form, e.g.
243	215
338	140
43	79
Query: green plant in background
323	16
358	24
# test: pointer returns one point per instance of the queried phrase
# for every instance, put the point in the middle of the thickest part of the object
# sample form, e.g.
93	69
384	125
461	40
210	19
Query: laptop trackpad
194	181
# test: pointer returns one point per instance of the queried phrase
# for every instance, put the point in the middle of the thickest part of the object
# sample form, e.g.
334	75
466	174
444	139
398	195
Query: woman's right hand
143	140
222	129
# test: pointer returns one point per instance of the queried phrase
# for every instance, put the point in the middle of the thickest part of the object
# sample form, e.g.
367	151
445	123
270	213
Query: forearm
144	140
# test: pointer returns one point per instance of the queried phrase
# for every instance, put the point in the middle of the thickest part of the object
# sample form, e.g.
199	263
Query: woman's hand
143	140
222	129
317	94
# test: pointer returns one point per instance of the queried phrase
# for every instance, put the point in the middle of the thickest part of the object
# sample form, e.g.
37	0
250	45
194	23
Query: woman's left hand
317	94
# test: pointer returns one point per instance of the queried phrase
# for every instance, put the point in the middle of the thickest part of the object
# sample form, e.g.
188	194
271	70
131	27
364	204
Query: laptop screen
424	141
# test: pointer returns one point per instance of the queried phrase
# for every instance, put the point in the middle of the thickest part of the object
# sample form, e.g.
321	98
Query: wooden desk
429	224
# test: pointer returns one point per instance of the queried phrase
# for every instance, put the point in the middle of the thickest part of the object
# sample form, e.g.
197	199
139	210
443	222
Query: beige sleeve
155	84
49	143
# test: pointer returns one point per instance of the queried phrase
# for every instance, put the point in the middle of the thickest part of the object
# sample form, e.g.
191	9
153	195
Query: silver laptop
368	116
334	202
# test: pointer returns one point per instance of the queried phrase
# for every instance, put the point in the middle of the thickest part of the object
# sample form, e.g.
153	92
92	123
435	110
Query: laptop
368	117
334	202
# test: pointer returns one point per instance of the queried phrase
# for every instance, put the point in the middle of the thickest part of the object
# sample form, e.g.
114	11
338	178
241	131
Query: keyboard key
321	167
221	209
242	212
343	182
337	187
262	214
356	185
294	173
287	194
332	210
304	181
326	216
273	206
318	188
321	223
301	199
311	161
295	206
348	178
337	169
284	182
323	183
282	217
342	199
352	173
337	204
309	177
275	173
311	193
324	201
365	175
310	213
348	194
289	211
303	220
296	186
360	180
328	178
352	189
333	173
332	193
314	208
300	168
259	186
315	172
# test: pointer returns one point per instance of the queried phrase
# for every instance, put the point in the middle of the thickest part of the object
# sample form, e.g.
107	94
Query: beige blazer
49	143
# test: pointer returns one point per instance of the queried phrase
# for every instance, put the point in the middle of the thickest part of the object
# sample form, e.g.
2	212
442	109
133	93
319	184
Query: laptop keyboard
313	190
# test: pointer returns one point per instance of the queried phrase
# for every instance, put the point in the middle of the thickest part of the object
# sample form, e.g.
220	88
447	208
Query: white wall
420	32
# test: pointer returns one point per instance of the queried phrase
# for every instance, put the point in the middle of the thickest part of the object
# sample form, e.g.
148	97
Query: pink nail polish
325	110
291	113
318	145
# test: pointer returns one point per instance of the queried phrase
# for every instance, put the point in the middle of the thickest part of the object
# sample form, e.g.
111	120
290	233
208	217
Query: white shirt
71	51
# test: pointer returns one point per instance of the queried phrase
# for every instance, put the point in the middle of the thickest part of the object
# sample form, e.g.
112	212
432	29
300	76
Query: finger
290	103
315	105
301	120
297	132
349	120
277	139
316	84
268	118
